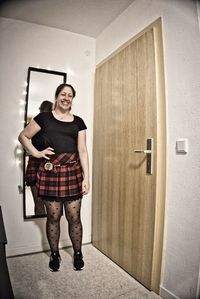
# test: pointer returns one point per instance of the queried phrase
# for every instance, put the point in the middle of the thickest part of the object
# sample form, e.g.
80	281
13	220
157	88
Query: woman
63	175
34	163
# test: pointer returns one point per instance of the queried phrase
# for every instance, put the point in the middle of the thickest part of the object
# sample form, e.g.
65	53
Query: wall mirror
41	86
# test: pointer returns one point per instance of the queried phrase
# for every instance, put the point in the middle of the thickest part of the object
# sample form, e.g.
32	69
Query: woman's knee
74	219
53	217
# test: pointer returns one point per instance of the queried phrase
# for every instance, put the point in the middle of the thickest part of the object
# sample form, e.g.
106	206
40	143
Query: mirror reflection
41	85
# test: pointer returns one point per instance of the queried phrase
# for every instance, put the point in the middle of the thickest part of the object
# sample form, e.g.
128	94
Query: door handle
149	153
143	151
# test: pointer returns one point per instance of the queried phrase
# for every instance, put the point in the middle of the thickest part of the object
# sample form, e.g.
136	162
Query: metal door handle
143	151
149	153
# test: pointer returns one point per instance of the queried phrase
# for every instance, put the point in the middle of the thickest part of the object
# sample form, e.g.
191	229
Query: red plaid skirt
64	180
31	170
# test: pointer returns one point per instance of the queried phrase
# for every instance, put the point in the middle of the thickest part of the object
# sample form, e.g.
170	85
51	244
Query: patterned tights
72	213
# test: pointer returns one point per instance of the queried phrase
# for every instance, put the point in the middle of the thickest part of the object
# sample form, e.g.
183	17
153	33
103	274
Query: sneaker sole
52	270
78	269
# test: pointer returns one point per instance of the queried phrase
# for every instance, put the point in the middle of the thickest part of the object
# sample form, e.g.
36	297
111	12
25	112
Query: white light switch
182	146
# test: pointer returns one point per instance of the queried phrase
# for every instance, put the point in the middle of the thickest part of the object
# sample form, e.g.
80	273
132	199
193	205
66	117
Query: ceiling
87	17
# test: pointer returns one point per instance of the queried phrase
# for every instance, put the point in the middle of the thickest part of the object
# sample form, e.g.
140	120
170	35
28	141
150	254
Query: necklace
63	117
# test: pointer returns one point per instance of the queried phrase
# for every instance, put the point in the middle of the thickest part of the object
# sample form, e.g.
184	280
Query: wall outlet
20	189
182	146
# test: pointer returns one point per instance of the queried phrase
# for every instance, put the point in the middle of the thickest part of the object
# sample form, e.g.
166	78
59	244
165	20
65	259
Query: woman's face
64	99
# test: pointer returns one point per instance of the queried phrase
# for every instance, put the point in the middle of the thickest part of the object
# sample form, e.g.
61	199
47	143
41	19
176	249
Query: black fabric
36	141
61	136
72	213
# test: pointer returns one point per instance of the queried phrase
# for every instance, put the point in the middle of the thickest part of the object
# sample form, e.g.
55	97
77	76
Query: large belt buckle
48	166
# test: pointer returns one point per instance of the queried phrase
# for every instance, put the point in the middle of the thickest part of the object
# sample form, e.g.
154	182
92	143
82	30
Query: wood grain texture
124	196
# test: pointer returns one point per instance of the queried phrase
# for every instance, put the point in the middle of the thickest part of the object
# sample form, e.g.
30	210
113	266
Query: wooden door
127	202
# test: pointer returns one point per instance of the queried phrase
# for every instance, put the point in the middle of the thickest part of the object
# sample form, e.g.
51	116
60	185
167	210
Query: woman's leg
72	212
39	207
54	213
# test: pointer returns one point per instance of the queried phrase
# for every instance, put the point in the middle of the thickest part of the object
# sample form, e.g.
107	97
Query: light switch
182	146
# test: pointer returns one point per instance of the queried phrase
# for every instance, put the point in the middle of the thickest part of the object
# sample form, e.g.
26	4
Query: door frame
161	146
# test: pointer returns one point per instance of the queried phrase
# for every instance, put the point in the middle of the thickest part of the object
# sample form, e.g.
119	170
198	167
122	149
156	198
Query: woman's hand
85	187
49	151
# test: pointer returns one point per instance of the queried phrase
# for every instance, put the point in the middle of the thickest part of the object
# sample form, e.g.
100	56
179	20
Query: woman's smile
64	102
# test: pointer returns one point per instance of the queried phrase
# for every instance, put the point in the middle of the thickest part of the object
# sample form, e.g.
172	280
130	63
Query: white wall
23	45
182	68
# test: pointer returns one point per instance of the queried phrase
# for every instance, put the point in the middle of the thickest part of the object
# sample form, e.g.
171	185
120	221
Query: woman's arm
24	138
83	154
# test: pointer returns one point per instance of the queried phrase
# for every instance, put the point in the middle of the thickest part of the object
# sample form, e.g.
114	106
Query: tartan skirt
31	170
60	178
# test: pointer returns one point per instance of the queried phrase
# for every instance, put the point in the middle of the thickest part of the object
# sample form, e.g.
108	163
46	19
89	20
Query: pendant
48	166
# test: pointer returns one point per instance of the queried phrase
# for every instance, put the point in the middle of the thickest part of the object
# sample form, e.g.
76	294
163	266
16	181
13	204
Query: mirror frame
39	70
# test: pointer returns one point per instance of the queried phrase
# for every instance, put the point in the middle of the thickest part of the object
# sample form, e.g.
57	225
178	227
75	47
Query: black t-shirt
36	141
61	136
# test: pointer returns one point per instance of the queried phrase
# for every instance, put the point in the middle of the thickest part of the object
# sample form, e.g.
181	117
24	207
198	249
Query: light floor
100	279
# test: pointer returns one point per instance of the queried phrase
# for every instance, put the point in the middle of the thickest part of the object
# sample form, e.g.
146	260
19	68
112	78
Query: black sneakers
54	263
78	261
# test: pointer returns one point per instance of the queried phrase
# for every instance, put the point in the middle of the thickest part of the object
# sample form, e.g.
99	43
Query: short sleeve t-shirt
61	136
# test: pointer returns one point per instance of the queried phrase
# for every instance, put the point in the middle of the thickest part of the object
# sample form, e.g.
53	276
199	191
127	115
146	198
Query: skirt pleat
64	180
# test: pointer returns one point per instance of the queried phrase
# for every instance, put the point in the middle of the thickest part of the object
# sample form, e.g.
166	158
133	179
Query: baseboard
166	294
26	249
33	247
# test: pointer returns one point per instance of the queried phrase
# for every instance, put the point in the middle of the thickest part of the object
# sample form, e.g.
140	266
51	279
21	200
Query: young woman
63	175
34	163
